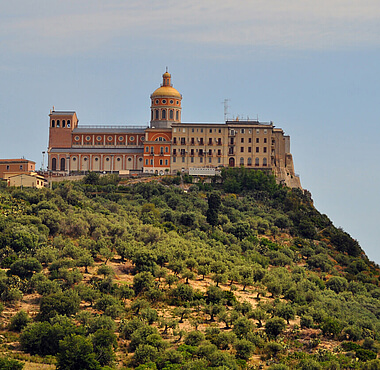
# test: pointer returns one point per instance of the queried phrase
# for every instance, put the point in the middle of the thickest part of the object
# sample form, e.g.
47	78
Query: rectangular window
242	149
151	162
174	140
265	149
265	140
257	149
265	131
201	129
242	131
175	129
201	159
219	160
174	160
250	140
146	162
257	140
183	159
220	131
249	149
192	130
250	131
209	160
21	167
210	130
166	162
7	167
242	140
192	159
184	130
257	131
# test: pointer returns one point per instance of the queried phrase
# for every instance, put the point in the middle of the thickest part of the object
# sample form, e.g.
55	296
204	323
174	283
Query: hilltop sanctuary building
168	145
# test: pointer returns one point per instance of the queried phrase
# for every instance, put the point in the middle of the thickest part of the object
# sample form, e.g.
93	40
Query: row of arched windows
57	123
165	114
62	162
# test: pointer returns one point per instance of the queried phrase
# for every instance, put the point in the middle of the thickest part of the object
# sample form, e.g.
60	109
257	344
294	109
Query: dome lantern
165	104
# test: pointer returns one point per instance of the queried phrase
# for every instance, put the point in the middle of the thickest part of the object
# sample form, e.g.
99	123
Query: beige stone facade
31	180
168	145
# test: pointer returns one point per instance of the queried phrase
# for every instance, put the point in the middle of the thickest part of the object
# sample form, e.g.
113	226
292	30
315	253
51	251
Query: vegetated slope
237	274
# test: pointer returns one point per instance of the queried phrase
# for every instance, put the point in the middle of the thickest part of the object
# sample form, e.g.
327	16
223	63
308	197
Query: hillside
239	274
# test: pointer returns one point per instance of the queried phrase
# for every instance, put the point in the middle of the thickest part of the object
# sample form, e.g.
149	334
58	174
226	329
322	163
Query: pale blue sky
312	67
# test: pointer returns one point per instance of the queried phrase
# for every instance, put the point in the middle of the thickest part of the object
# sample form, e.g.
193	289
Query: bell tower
165	107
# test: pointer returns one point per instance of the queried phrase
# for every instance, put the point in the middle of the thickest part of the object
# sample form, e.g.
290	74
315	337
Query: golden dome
166	88
167	91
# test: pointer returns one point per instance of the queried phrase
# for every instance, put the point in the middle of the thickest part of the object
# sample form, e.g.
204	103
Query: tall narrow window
62	164
171	114
54	164
53	123
176	115
156	113
257	162
163	114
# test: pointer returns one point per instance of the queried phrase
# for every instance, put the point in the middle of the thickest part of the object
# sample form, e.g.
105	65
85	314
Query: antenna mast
226	106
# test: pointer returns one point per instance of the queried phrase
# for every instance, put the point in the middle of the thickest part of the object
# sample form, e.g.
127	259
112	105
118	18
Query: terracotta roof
20	160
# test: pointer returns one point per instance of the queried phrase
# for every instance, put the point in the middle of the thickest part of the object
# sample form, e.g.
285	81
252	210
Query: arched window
176	115
241	161
62	164
156	113
57	122
63	123
264	162
163	114
249	162
54	164
257	162
171	114
147	149
68	123
162	150
53	123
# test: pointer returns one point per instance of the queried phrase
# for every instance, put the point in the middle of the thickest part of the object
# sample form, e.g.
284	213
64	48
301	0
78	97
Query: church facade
167	145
